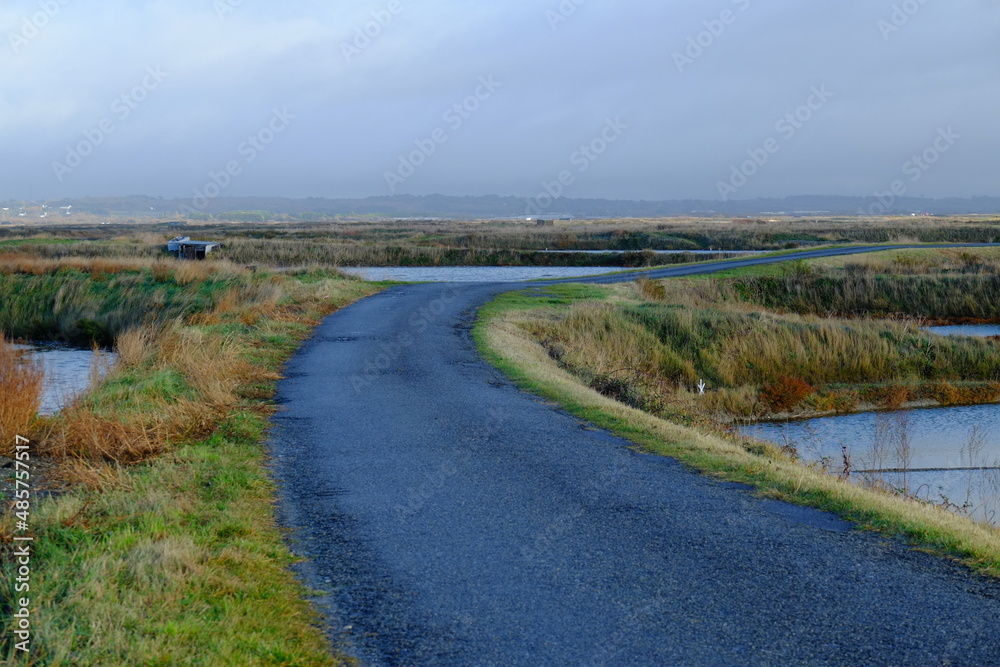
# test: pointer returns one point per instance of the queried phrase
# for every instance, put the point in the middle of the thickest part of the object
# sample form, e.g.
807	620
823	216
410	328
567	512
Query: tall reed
21	382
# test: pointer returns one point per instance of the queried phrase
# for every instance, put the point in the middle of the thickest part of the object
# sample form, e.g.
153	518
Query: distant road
456	520
730	264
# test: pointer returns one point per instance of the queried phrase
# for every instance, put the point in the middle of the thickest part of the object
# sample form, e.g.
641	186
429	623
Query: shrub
618	389
891	397
945	393
785	393
652	289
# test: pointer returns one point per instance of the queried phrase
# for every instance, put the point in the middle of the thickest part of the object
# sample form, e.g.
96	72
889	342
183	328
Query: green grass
179	563
79	308
177	559
18	243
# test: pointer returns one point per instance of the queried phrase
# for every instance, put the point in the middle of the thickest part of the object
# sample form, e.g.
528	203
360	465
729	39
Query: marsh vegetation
162	523
498	243
158	540
833	336
799	339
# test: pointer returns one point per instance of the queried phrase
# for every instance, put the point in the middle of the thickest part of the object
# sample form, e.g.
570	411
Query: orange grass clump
21	382
183	273
214	370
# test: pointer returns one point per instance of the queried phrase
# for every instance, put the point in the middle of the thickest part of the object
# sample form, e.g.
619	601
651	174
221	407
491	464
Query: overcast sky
110	97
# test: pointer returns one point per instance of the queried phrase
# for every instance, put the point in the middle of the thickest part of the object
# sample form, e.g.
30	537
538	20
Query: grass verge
163	548
502	336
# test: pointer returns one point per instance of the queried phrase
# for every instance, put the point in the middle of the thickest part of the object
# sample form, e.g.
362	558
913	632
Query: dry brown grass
92	475
86	434
211	371
134	345
202	377
96	266
181	556
651	289
21	382
183	272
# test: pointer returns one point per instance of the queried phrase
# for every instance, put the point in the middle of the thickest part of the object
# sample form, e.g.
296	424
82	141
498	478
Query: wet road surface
453	519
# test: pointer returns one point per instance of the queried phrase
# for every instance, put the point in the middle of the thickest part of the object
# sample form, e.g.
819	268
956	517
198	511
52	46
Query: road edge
504	345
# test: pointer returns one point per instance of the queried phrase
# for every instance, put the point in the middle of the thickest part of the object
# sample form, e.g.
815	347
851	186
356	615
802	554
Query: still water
67	373
476	274
974	330
953	453
937	435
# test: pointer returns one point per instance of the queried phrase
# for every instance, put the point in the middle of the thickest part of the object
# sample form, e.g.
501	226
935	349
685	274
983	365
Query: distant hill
443	206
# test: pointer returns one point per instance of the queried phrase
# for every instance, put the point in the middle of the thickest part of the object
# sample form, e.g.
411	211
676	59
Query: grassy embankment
162	545
330	252
797	338
625	357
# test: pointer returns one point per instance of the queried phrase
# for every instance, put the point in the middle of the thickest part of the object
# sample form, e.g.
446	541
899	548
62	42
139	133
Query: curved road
453	519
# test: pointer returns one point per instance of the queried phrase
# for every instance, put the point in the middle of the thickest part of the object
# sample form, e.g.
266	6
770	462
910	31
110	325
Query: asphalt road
453	519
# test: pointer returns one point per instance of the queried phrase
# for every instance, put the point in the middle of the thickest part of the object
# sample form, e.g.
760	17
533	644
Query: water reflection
67	373
937	435
973	330
950	454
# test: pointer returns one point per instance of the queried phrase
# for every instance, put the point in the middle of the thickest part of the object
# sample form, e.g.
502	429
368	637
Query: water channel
951	455
67	373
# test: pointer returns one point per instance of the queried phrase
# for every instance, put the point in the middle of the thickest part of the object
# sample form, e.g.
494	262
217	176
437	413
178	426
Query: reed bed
769	345
87	301
958	296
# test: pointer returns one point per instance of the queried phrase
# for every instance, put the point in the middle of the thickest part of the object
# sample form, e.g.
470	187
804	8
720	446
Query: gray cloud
359	106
